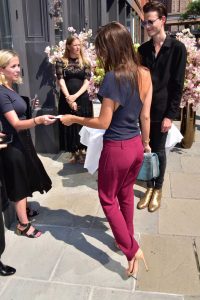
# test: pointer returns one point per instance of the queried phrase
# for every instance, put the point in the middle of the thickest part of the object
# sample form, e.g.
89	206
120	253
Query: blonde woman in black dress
23	170
73	74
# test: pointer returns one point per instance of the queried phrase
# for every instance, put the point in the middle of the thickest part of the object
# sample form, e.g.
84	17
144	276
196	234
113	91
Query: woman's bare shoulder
144	72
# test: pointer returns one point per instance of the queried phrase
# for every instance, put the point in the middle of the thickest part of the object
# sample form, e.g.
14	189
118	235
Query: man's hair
155	6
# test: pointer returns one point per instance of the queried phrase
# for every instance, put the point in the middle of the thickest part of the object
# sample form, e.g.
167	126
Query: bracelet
146	141
35	121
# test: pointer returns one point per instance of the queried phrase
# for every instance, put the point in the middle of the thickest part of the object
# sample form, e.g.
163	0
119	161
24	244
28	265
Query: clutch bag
149	168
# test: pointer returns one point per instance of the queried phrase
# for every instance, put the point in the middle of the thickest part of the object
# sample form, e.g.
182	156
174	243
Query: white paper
174	136
58	117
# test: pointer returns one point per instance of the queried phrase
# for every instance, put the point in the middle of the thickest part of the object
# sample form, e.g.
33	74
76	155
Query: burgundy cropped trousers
119	166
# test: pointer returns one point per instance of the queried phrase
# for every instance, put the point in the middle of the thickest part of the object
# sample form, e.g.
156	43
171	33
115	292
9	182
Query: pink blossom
191	90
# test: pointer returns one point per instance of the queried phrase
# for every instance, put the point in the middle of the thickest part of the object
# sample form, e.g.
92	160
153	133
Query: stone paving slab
174	162
194	150
180	217
192	297
69	209
91	260
36	258
3	280
166	190
185	186
118	295
197	134
172	266
145	222
38	290
191	164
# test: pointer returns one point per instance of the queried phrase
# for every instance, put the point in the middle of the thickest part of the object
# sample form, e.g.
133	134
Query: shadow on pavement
73	229
70	169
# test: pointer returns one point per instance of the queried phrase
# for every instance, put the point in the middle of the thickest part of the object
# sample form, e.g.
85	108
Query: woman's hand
71	98
73	106
67	120
45	119
166	125
147	148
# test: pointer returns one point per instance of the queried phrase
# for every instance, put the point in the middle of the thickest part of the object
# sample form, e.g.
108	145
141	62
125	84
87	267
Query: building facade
28	26
174	22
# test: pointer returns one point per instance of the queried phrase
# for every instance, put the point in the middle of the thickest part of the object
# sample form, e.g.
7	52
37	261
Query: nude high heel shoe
134	264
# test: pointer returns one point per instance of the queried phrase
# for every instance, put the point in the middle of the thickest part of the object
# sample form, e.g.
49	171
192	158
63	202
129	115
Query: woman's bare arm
18	124
145	87
101	122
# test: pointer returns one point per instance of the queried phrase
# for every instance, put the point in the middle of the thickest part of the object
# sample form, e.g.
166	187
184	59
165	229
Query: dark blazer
168	73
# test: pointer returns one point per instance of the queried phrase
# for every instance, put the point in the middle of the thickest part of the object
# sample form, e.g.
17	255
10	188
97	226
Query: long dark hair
114	48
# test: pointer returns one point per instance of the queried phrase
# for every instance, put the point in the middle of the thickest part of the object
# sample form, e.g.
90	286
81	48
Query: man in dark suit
4	270
165	57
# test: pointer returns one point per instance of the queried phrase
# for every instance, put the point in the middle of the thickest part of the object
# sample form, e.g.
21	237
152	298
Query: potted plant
191	92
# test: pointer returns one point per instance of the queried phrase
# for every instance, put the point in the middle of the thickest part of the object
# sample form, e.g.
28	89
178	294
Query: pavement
76	259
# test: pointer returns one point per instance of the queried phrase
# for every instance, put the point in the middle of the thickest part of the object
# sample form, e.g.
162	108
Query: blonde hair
82	60
5	57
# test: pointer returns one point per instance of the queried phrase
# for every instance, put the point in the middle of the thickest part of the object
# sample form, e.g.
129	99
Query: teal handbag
149	168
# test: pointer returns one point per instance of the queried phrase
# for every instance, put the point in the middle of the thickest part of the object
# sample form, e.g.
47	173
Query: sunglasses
148	22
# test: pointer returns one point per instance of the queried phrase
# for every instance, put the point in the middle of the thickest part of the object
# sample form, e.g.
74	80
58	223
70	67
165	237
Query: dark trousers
157	143
2	234
119	166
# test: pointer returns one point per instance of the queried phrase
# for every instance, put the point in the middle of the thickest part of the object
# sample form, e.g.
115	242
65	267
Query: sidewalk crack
196	257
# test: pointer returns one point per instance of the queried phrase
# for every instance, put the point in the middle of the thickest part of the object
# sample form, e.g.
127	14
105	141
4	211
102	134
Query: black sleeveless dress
23	171
74	77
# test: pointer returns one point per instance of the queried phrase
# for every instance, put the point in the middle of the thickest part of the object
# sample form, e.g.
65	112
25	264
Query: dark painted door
32	31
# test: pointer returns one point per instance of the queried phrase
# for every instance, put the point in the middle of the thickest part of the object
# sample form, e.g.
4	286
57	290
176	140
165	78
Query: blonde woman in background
73	75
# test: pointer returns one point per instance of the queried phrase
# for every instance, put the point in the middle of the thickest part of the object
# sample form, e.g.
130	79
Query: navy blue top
10	100
124	124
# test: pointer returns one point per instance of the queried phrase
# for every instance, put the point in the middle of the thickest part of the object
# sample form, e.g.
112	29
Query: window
5	29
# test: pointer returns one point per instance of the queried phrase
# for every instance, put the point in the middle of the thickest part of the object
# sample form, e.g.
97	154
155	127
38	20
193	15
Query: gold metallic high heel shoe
154	204
133	264
144	201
